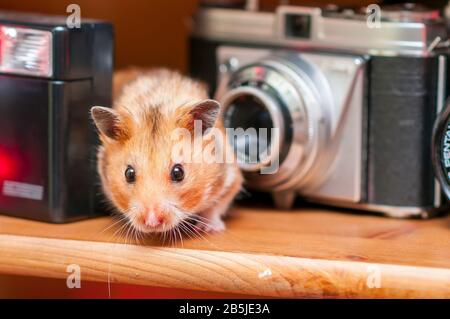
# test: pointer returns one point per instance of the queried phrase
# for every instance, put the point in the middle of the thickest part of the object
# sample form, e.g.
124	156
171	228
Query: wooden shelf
303	253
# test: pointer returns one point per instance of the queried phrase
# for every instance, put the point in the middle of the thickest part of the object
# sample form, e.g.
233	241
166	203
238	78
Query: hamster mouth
181	224
152	223
150	230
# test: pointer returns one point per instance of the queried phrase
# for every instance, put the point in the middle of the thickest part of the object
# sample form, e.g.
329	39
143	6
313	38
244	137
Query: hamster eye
130	174
177	173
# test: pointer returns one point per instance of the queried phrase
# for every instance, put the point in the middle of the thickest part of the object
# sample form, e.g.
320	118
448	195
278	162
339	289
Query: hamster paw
215	225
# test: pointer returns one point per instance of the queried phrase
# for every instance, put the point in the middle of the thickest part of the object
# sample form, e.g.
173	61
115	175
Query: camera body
353	99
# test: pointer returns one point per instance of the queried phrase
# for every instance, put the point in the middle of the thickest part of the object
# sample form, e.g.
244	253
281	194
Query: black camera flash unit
50	75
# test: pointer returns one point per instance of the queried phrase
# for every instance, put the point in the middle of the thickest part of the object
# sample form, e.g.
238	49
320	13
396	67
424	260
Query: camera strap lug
438	43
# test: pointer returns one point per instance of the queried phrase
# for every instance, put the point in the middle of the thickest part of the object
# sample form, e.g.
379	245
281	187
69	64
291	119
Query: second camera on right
343	108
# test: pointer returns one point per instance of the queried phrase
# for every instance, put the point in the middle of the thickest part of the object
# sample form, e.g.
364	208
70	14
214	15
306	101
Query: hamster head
138	171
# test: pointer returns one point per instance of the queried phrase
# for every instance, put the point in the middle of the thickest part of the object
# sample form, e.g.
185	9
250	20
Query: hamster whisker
201	218
196	231
188	229
129	210
190	232
137	235
172	238
117	221
130	234
196	219
162	235
165	233
181	237
126	233
124	230
133	234
184	229
186	215
119	231
122	218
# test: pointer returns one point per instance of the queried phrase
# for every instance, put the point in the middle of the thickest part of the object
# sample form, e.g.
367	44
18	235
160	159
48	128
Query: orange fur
150	107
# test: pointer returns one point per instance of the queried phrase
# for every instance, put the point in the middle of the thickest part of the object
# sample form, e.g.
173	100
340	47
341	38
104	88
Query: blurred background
147	33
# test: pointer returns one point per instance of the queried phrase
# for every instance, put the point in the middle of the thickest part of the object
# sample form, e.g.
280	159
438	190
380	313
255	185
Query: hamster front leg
212	221
213	216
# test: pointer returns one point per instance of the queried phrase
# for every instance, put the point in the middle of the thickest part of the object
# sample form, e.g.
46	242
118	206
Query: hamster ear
109	122
206	111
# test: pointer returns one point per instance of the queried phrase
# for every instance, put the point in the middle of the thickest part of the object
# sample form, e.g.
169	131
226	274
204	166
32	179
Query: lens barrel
286	96
258	111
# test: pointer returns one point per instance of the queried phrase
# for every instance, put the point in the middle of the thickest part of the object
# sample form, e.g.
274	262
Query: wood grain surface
303	253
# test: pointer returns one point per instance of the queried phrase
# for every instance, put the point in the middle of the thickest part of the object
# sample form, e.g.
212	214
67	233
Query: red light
260	72
8	166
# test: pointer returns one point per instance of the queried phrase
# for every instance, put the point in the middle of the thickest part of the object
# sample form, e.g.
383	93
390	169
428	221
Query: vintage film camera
50	75
354	102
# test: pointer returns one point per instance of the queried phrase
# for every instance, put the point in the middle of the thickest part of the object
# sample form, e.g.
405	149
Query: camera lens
441	150
277	103
255	116
247	112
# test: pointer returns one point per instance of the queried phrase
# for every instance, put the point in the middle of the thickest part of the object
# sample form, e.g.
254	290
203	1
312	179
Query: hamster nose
154	219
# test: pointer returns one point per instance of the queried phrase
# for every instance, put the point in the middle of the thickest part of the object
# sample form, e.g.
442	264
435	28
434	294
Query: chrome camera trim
326	32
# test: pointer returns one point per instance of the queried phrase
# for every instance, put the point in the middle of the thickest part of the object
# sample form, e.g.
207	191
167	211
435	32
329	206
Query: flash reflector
25	51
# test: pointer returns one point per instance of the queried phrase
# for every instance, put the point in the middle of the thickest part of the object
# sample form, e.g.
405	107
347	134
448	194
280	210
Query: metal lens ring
441	150
293	107
261	111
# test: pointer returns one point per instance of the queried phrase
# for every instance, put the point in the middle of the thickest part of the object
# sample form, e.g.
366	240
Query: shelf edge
241	273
